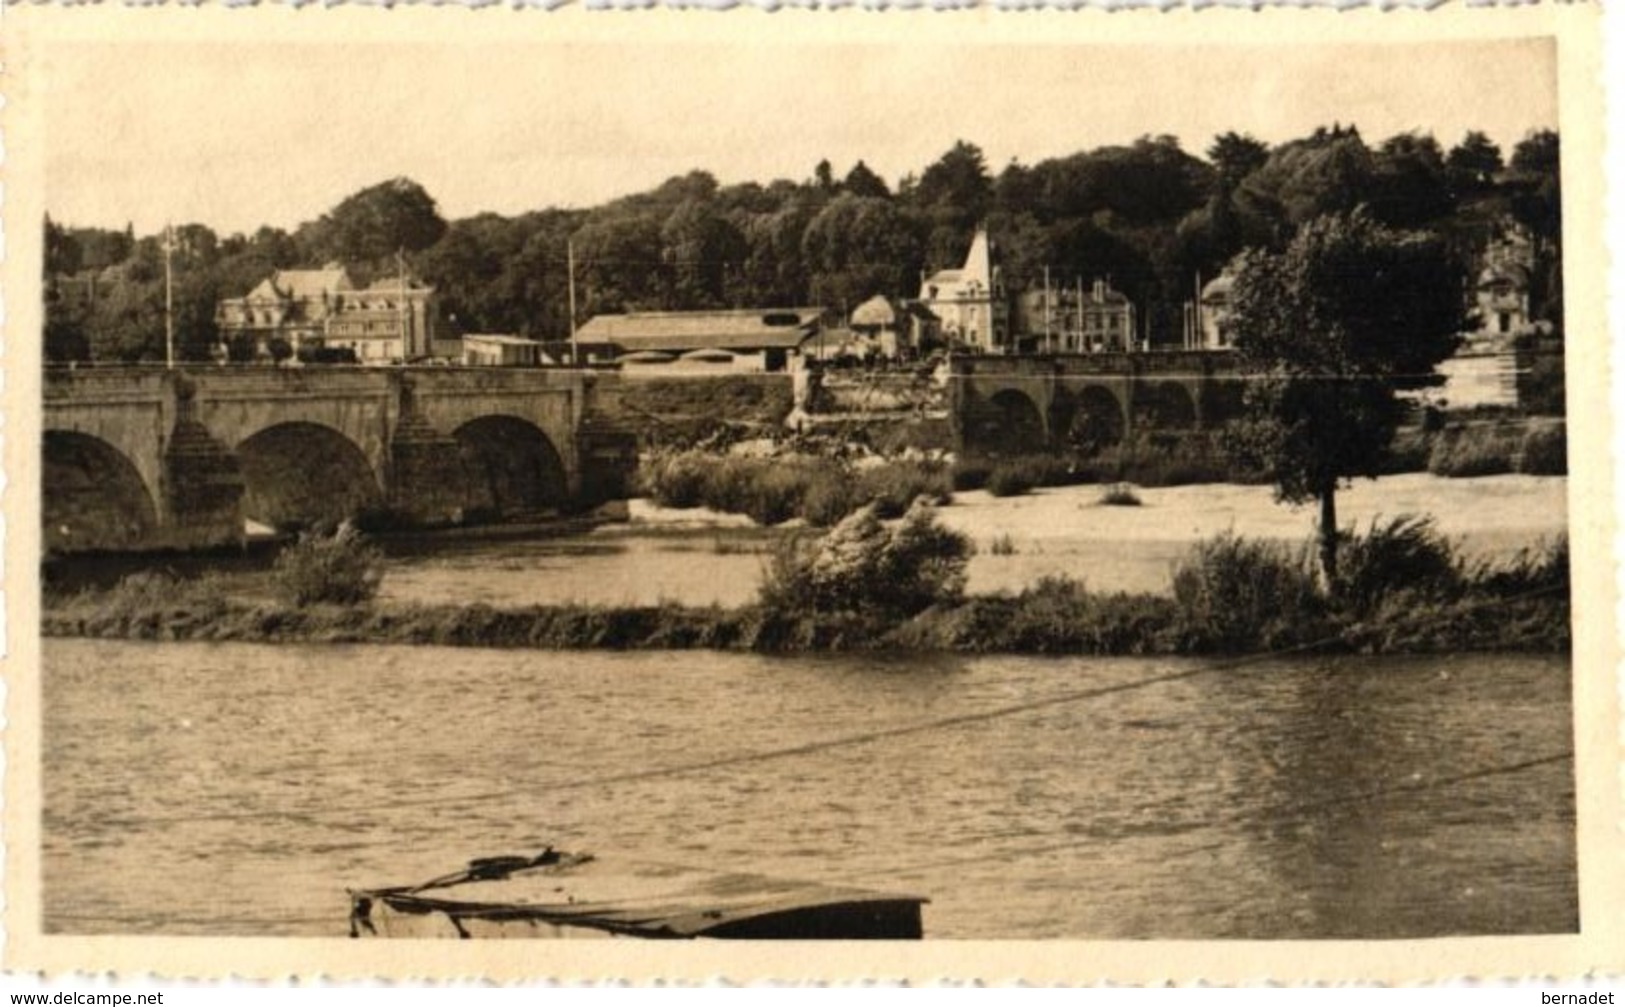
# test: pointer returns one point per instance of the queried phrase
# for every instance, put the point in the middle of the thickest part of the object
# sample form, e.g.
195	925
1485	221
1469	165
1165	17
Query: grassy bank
1402	589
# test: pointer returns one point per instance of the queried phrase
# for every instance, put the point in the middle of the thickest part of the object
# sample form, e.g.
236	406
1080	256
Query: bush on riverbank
1482	449
338	569
1015	476
1405	553
773	490
1401	586
1496	448
1234	594
1546	451
149	605
865	568
1120	495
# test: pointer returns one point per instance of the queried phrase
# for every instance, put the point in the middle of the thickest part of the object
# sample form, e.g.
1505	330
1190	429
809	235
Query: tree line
1149	215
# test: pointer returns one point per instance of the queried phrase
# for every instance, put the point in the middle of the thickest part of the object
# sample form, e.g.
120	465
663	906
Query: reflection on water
239	789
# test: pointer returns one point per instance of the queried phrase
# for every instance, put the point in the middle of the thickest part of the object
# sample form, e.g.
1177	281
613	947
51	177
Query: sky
236	136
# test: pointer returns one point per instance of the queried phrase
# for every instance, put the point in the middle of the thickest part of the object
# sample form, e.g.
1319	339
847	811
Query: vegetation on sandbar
869	584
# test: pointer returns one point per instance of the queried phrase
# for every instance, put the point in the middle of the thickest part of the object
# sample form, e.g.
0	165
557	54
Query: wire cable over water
792	751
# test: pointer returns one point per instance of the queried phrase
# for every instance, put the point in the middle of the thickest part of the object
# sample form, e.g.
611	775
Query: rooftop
681	331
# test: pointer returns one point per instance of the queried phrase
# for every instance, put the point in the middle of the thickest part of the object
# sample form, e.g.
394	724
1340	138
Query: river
236	789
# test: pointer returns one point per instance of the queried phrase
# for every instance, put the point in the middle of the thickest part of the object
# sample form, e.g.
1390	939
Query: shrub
156	598
894	486
1410	451
1236	594
1543	568
676	480
1171	459
828	499
773	490
1478	450
864	567
972	475
1545	451
1011	480
1405	554
1002	545
342	569
769	494
1120	495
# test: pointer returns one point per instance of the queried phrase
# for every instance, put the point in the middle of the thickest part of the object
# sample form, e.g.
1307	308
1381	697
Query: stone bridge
1016	405
154	458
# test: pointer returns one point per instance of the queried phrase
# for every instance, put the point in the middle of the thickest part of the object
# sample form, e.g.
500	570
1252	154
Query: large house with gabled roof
388	320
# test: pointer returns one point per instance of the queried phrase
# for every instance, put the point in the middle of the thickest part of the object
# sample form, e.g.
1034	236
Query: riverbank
1059	619
1404	590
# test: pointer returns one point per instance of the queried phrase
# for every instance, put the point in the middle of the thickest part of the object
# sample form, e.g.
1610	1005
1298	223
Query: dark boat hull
563	897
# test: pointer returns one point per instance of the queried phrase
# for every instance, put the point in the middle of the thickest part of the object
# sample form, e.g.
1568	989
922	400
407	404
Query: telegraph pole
1082	346
400	307
1048	311
169	297
570	260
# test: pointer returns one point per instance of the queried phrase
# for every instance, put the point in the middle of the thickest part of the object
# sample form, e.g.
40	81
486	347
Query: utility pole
400	309
1048	335
169	297
1197	335
570	260
1083	347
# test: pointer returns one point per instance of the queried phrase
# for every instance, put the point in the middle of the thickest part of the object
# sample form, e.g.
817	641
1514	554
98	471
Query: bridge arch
1009	423
1090	419
511	465
298	474
93	496
1166	405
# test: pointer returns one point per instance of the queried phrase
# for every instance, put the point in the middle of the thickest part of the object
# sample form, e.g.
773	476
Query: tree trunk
1328	538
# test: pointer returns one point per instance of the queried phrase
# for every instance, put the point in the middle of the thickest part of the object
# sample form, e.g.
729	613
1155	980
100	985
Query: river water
238	789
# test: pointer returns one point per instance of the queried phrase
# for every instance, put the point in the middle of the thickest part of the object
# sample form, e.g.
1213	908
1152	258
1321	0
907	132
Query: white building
969	302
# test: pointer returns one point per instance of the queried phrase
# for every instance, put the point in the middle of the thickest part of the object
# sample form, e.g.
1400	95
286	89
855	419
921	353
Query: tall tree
370	226
63	253
1410	186
862	181
1537	204
620	264
1236	155
856	248
703	250
1330	172
824	176
1475	160
958	182
1332	328
1536	153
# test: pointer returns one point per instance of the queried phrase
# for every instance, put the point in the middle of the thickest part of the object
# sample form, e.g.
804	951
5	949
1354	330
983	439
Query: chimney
1100	291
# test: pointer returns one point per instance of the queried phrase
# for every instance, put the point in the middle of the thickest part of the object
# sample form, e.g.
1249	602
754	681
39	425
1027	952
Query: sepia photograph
841	486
